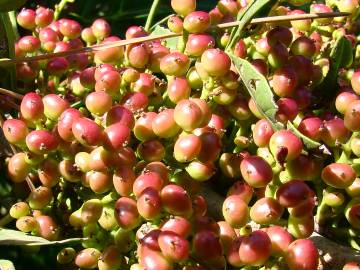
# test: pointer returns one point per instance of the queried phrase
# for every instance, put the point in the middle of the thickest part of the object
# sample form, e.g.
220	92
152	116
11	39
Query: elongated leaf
259	89
6	265
341	56
8	24
309	143
170	42
17	238
255	8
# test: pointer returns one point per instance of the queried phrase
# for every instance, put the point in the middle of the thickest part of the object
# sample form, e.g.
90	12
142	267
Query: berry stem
151	15
59	7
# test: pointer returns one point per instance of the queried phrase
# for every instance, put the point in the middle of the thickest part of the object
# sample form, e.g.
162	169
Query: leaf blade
170	42
339	57
256	7
259	89
309	143
17	238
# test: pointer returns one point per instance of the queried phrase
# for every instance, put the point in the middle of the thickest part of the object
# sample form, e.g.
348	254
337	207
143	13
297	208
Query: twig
12	104
98	47
11	93
151	15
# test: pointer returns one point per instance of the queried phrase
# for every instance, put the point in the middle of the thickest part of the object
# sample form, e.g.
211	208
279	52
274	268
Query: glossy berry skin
116	136
176	201
187	148
41	141
355	82
215	62
235	211
178	89
147	179
266	210
262	133
303	46
29	44
44	16
188	115
153	260
98	102
302	255
288	110
88	258
284	81
280	239
292	193
175	64
279	34
120	114
338	175
47	228
310	127
15	131
335	131
351	116
32	107
183	8
287	141
343	100
54	106
143	130
255	249
18	168
126	213
86	131
241	189
101	29
206	245
149	203
26	19
198	43
164	125
351	266
256	171
173	246
197	22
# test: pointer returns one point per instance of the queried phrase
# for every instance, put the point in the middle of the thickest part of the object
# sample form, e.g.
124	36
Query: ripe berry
215	62
197	22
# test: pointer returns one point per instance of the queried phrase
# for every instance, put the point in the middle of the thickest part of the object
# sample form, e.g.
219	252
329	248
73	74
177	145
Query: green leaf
255	8
170	42
340	56
8	23
6	265
259	89
17	238
309	143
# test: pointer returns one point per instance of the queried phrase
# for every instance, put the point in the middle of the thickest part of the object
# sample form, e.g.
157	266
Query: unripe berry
101	29
182	7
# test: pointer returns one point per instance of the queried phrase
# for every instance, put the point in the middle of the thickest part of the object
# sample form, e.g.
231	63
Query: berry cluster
115	144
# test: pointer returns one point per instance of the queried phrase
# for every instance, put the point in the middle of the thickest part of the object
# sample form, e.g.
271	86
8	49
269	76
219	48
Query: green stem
5	220
59	7
321	213
160	22
151	15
